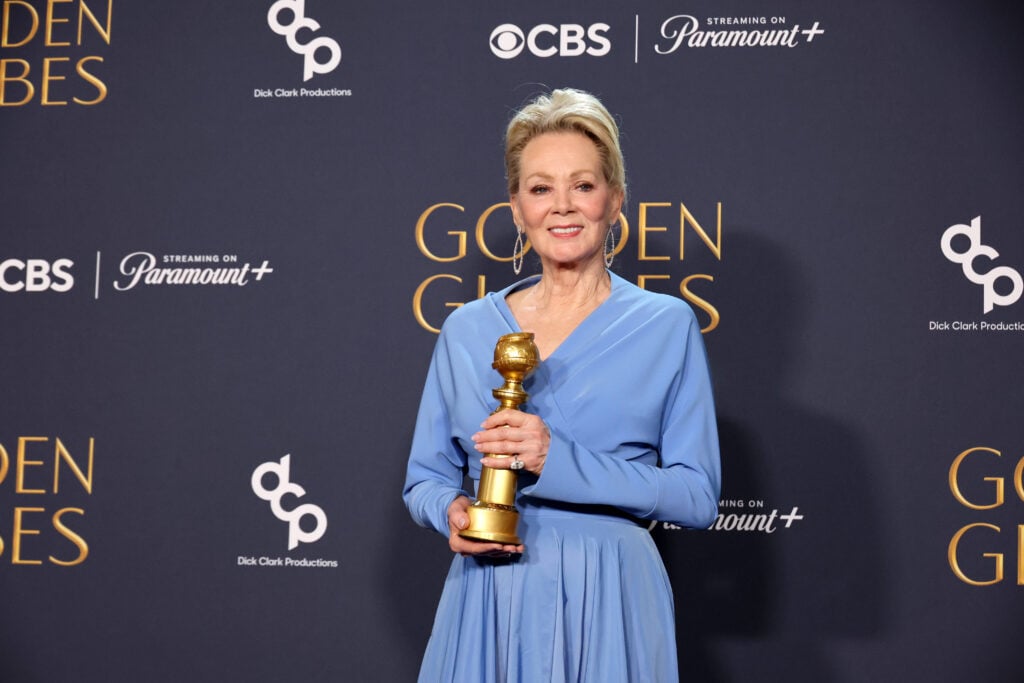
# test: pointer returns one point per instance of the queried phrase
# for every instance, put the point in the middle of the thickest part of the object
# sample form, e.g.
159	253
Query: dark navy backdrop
853	361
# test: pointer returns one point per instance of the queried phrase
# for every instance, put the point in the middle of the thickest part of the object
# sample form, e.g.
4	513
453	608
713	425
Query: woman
619	427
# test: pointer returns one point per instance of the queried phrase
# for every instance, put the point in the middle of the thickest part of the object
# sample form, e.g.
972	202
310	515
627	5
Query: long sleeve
641	434
436	463
627	398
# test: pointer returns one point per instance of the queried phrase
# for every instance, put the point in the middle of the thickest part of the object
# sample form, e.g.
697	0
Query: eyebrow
546	176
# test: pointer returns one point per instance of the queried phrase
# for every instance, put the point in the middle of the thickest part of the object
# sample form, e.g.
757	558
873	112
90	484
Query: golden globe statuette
493	516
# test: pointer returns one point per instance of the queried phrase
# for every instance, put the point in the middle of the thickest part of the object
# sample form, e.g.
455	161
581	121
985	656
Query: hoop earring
609	247
517	252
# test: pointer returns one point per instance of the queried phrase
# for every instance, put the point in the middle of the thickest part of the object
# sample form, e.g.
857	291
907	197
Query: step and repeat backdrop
229	233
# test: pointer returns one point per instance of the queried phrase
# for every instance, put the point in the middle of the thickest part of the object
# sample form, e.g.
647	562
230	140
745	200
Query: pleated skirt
588	601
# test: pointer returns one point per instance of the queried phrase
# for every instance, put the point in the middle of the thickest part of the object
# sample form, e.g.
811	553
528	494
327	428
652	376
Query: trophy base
492	523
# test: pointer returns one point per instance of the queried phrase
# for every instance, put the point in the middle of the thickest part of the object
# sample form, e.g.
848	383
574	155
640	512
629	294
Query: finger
465	546
499	447
508	417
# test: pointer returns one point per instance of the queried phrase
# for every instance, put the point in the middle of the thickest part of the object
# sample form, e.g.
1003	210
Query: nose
562	200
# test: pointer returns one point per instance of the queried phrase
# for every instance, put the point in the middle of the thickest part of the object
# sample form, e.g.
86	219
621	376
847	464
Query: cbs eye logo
546	40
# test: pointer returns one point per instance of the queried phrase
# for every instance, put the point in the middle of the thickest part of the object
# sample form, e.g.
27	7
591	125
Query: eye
539	189
585	187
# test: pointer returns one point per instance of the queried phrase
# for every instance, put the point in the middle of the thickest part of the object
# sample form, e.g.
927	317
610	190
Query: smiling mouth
566	230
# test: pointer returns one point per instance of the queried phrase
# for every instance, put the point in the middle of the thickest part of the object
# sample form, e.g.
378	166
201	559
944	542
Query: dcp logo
36	275
281	470
547	40
988	279
308	50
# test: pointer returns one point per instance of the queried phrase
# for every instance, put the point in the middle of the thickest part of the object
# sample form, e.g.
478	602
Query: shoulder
653	306
465	315
483	315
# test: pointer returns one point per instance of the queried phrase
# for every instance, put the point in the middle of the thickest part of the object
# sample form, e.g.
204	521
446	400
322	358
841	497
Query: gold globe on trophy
493	517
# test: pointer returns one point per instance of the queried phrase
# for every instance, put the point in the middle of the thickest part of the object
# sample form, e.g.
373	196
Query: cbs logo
547	40
36	275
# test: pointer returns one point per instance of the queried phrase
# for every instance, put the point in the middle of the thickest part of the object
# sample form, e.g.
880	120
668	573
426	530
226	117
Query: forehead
558	149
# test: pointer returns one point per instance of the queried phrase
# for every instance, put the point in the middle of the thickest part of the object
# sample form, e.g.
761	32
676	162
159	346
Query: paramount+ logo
547	40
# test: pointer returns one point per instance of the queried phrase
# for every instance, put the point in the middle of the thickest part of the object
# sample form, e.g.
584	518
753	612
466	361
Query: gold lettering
481	286
955	565
63	454
1020	554
30	90
5	39
21	462
45	90
684	217
4	463
1018	474
50	21
954	478
83	11
101	87
76	540
20	531
480	234
643	228
684	289
420	225
417	300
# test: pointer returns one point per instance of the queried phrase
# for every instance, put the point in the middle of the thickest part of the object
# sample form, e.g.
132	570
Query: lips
566	230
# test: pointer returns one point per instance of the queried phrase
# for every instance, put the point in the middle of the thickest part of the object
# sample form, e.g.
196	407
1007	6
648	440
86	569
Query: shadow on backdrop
762	604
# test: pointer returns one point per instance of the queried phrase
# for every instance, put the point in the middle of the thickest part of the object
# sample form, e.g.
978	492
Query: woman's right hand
458	519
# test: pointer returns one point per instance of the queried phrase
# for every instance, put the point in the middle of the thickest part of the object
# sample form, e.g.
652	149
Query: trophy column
493	517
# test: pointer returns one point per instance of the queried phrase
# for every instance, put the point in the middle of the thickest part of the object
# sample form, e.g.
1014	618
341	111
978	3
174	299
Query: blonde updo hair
566	110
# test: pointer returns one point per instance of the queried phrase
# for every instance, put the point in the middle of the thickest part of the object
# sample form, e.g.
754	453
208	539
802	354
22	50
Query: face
564	202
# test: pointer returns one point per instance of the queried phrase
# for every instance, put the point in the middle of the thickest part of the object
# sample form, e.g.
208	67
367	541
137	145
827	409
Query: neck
568	288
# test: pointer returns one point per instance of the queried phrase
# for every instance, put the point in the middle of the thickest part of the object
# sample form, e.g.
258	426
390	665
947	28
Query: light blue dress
627	398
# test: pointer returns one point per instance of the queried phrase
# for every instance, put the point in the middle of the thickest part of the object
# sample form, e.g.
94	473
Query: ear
517	217
616	206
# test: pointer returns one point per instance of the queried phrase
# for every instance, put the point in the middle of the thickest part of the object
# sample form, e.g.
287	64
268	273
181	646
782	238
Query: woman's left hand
512	432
